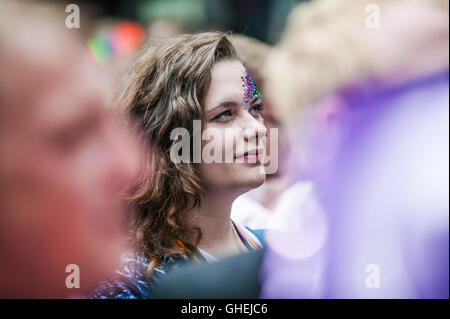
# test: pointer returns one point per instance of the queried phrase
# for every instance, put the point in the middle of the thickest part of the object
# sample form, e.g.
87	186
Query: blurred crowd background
114	30
263	20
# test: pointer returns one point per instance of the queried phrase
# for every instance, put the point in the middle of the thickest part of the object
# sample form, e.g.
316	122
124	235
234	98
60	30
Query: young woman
182	209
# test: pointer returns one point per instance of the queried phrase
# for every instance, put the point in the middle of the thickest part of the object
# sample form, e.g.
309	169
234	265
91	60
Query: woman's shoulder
260	234
257	236
130	280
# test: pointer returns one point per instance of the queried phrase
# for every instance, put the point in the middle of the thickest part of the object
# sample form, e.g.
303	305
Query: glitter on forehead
250	90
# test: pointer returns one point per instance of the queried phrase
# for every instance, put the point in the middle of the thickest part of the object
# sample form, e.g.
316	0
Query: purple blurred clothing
386	200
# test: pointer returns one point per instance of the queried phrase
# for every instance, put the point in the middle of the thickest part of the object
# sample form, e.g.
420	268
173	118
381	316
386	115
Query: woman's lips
253	156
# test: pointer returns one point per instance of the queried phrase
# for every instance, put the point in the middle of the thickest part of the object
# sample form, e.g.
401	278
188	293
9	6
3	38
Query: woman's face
235	135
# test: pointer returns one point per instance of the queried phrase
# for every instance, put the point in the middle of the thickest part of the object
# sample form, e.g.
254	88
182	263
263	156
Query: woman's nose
254	128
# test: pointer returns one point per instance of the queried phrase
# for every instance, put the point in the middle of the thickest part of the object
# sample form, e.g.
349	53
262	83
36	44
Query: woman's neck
213	218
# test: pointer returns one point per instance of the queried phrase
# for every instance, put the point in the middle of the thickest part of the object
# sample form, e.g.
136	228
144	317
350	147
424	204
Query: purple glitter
250	90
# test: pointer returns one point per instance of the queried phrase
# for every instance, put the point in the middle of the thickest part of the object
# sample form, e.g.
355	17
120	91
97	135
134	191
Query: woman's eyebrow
255	99
224	104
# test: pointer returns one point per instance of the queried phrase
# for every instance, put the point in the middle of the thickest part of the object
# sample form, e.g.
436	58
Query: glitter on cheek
249	87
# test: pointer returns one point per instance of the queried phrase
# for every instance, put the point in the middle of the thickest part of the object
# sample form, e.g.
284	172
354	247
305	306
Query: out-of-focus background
262	19
115	30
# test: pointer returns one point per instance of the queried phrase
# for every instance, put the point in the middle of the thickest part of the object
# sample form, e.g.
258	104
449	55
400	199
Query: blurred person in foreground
375	155
374	107
331	46
63	160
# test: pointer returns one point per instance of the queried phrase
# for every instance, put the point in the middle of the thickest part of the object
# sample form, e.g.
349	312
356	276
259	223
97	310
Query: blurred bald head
35	48
63	159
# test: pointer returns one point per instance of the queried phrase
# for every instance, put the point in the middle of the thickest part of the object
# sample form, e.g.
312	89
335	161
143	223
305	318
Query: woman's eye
258	108
224	115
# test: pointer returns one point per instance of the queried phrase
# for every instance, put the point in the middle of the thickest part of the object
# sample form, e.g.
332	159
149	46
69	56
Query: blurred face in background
63	161
225	109
273	124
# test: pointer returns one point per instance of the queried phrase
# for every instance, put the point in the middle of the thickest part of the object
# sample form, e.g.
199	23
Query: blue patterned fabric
129	282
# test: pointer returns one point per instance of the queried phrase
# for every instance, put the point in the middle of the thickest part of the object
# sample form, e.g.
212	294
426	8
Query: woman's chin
252	178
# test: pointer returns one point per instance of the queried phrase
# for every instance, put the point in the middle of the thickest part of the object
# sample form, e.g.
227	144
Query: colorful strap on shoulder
249	243
198	258
195	256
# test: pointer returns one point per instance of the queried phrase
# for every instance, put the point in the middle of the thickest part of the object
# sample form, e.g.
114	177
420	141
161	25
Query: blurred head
173	83
328	47
63	160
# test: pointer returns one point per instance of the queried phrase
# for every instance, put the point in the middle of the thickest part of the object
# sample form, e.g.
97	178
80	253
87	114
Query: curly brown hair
165	89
